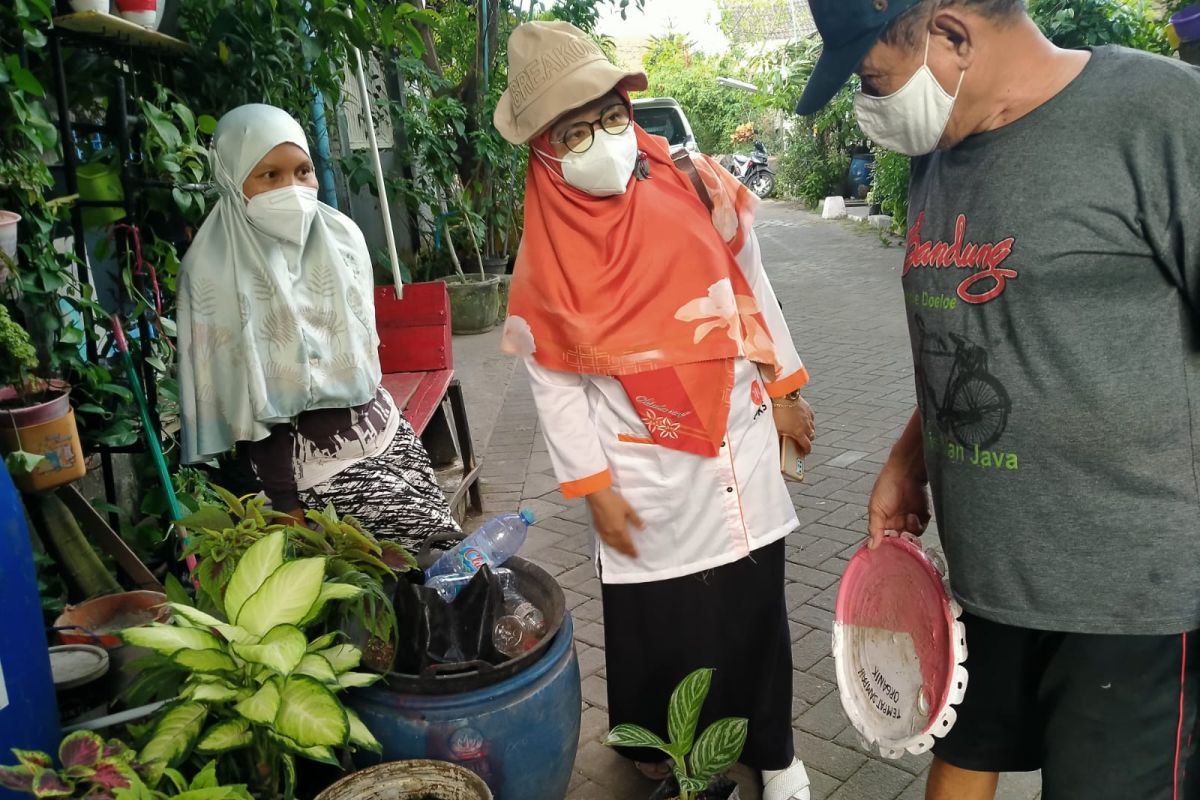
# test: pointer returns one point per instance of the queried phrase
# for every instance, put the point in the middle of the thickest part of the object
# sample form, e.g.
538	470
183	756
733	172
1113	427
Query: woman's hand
795	420
611	516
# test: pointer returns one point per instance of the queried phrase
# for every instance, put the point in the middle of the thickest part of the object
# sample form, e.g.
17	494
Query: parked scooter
753	172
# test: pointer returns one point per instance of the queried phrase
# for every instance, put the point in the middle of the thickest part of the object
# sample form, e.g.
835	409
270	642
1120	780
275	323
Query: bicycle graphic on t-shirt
974	405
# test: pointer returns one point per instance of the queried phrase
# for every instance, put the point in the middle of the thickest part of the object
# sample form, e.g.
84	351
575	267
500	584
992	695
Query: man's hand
797	422
899	502
612	516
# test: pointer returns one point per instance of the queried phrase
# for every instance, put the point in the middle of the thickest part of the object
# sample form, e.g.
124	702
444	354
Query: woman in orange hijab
664	376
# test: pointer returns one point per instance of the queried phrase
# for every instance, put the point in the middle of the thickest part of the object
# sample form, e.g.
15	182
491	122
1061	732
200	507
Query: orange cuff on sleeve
789	384
586	486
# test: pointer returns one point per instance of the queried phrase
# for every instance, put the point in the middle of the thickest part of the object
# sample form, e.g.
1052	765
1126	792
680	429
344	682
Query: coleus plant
697	760
89	768
258	691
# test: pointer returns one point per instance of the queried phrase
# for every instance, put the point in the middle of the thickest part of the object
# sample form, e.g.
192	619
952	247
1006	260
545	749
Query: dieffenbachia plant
697	760
258	691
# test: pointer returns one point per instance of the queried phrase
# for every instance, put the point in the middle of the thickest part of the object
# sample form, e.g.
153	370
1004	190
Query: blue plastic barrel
28	711
519	735
861	167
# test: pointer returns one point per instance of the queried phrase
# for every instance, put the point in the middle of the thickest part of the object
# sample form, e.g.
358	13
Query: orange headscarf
644	287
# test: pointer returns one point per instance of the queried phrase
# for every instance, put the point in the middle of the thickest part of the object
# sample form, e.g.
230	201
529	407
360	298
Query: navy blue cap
849	28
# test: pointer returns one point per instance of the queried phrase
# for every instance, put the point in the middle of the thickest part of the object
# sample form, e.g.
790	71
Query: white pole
379	184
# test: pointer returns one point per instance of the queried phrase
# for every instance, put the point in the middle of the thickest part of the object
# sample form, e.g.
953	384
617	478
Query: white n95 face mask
285	213
912	120
605	168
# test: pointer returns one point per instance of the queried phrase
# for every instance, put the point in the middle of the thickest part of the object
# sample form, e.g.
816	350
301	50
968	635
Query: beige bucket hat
552	68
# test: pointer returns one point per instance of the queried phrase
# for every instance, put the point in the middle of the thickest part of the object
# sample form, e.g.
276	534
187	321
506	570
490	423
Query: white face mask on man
605	168
285	213
911	120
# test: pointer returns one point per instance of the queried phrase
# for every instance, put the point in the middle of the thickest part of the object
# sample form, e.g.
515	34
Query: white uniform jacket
700	513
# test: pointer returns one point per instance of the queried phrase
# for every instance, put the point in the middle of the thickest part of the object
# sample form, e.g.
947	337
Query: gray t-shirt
1052	280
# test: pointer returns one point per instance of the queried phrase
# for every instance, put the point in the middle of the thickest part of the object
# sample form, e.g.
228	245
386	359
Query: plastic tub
47	429
1187	24
100	181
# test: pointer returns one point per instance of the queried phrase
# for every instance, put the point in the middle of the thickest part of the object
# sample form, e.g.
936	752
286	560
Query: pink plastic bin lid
899	648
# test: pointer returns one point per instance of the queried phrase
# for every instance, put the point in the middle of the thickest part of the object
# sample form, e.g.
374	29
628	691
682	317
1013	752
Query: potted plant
474	299
259	690
699	762
93	768
37	426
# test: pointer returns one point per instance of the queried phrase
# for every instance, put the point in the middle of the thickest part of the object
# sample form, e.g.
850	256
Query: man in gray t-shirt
1052	283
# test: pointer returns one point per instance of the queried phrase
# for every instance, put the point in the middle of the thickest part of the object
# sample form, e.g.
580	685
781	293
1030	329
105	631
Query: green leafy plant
90	767
18	357
1091	23
698	759
221	535
95	769
676	68
889	185
259	692
173	152
51	590
204	786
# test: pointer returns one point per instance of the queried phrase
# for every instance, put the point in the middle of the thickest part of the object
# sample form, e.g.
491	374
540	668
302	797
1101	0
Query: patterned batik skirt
395	495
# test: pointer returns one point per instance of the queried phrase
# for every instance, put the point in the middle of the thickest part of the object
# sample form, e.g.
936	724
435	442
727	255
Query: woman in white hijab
277	342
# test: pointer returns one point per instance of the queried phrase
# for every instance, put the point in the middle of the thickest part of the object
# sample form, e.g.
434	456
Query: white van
663	116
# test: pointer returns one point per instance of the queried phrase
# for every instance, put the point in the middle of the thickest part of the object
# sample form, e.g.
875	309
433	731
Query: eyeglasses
578	137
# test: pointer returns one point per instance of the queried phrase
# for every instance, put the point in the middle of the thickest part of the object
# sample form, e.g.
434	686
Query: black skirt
733	619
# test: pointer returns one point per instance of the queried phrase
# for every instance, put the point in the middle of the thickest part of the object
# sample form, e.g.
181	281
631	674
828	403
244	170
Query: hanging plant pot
101	181
474	303
139	12
45	427
502	308
8	241
409	780
495	265
98	6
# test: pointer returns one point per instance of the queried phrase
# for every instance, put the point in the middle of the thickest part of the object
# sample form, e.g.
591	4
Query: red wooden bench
417	359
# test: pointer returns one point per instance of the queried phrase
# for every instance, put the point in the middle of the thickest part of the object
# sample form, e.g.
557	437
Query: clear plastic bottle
521	627
495	542
448	586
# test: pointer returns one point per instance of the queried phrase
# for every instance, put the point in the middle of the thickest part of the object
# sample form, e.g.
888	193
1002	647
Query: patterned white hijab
265	335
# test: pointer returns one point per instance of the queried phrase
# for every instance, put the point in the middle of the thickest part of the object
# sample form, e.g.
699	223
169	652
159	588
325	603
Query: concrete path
840	288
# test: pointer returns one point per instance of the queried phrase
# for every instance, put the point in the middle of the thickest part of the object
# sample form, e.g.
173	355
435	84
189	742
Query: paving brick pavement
840	289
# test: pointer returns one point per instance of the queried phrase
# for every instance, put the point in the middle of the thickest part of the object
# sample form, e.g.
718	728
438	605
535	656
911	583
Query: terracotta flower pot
99	620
